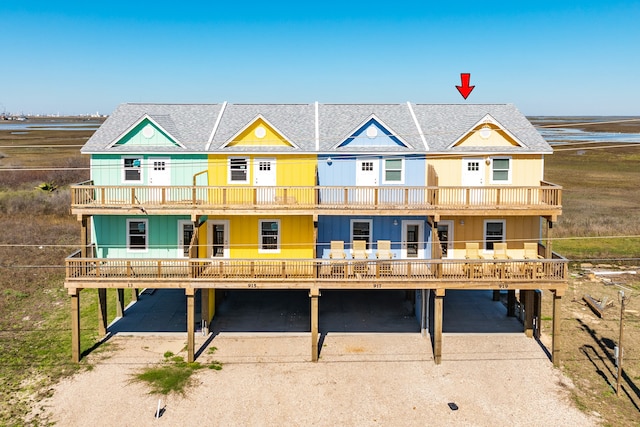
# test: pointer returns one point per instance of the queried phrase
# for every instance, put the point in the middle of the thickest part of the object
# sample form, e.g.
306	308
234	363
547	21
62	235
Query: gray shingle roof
193	124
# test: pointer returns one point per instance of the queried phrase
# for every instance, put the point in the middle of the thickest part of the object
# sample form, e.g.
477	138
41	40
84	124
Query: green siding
106	169
157	138
109	233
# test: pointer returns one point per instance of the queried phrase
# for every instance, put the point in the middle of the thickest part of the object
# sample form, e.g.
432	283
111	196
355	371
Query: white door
473	176
366	176
218	239
185	234
264	175
159	173
367	172
412	239
159	176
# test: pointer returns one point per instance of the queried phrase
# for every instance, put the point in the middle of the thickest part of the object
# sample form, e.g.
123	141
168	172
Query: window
136	234
238	170
269	235
361	230
500	172
367	166
132	169
494	231
393	173
473	166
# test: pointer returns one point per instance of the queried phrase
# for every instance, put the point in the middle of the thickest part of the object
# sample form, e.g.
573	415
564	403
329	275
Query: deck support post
555	328
437	326
549	243
314	294
74	293
102	312
511	303
204	309
119	302
135	294
528	312
84	236
191	324
424	295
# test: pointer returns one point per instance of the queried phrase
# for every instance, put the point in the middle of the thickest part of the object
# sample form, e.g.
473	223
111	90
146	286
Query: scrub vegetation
173	375
601	199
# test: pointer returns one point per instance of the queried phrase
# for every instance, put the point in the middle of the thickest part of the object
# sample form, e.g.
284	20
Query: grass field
601	202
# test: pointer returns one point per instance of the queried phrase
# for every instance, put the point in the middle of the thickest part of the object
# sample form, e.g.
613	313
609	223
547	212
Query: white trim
225	249
140	168
421	243
484	233
508	180
370	243
215	126
136	123
251	123
381	123
451	225
248	165
488	119
146	236
260	236
384	170
420	132
181	243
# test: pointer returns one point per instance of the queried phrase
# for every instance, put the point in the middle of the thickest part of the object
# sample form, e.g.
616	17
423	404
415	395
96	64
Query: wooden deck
88	199
315	273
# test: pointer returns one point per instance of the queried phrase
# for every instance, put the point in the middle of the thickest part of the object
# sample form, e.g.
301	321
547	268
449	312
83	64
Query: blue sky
546	57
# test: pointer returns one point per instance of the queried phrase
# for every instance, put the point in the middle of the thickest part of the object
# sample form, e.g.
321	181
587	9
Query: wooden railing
87	195
96	270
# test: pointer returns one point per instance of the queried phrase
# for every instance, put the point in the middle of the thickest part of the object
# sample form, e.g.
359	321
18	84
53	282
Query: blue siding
341	170
339	228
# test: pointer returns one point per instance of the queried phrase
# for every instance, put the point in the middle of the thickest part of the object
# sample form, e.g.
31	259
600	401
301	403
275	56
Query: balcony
89	199
315	273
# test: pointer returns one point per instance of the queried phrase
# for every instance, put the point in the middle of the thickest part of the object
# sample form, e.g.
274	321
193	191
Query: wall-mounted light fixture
395	222
487	161
462	222
329	161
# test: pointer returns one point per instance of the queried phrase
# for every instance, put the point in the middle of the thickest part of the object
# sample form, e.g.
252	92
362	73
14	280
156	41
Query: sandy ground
360	380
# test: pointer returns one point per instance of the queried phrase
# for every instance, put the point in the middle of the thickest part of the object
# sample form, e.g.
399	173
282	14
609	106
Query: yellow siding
296	236
526	170
259	133
519	230
496	138
290	170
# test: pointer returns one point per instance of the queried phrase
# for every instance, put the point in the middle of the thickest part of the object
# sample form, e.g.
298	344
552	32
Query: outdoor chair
359	251
384	252
337	252
472	252
502	269
533	269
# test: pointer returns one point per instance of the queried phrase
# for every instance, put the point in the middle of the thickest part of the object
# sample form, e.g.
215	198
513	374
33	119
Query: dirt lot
589	341
360	380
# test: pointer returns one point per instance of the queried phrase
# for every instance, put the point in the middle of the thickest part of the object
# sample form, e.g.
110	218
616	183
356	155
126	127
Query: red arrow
465	89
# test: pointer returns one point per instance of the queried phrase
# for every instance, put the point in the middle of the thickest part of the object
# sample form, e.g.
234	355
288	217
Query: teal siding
155	137
109	233
106	169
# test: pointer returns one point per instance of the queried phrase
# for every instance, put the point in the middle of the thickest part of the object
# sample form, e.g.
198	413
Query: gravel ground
360	380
